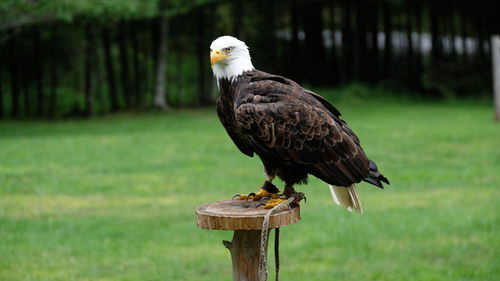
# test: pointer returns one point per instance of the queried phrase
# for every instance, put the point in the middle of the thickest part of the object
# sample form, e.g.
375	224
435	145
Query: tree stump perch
246	220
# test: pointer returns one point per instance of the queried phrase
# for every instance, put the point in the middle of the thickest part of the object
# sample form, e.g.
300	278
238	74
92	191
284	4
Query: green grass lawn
114	198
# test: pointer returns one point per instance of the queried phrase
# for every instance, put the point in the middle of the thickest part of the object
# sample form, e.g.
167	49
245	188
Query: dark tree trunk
14	77
409	30
453	32
98	76
409	50
110	71
180	78
25	86
202	53
295	48
37	64
480	31
437	46
54	81
160	99
124	64
334	64
347	41
155	49
418	48
89	54
145	40
374	55
266	37
135	63
313	27
25	72
238	19
388	27
418	26
53	73
362	67
1	94
463	31
145	49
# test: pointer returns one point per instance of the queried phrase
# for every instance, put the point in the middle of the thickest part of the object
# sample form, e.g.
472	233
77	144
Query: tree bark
160	99
245	253
110	71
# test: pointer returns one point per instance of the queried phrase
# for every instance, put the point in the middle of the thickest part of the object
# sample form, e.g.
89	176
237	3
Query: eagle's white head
229	57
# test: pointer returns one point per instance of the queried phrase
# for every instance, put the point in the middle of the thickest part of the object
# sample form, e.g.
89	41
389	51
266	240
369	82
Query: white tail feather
346	197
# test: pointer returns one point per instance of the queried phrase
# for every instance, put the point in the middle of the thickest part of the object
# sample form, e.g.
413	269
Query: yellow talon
259	195
273	203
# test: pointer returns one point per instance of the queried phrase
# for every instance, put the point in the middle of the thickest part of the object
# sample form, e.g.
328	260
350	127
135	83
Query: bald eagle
294	131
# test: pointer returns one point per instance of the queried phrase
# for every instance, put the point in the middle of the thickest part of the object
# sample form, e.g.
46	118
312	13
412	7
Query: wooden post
245	250
495	52
245	218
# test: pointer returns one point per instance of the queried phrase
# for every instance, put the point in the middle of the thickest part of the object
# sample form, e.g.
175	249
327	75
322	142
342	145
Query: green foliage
101	56
114	198
19	12
441	79
15	13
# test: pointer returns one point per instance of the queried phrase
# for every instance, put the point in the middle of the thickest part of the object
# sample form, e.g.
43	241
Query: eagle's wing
229	124
287	122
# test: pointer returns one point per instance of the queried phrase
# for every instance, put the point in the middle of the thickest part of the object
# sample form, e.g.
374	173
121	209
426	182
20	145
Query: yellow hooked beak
216	56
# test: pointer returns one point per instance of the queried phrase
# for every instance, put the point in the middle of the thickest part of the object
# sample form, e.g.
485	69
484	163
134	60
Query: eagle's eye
228	50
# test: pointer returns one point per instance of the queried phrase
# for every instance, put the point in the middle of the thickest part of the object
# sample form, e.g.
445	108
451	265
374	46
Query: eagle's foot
276	201
268	190
272	203
256	196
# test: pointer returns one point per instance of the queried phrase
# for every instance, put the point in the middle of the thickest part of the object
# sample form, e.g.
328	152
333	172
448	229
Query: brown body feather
294	131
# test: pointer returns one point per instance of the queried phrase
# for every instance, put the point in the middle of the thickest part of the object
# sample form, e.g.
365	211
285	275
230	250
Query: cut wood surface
241	215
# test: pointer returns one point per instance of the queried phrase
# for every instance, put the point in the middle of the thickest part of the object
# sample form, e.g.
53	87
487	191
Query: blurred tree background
113	197
63	58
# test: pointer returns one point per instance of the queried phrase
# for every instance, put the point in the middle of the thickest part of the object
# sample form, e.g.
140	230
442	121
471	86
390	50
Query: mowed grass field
114	198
